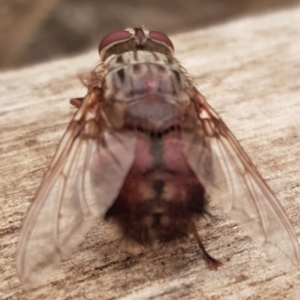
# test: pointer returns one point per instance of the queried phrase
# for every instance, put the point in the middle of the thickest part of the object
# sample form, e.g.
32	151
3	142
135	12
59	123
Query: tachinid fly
145	150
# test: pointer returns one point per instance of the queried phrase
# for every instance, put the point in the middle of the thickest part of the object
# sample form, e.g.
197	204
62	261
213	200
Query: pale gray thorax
150	89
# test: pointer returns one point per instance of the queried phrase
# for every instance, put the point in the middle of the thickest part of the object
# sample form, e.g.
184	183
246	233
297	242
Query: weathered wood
249	71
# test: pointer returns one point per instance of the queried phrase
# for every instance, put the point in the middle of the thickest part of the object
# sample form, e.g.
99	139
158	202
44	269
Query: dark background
33	30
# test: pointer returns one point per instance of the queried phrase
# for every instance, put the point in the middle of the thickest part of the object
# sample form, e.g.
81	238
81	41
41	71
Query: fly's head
131	39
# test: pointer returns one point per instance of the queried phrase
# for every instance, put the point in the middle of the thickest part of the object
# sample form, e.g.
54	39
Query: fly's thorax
146	89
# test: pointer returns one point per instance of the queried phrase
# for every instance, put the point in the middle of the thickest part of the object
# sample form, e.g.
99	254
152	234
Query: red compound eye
113	37
161	37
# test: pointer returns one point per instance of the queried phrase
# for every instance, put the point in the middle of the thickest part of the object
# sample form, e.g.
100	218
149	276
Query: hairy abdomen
161	195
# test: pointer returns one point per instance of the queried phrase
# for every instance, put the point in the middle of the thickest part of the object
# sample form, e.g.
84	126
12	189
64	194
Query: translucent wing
219	161
82	182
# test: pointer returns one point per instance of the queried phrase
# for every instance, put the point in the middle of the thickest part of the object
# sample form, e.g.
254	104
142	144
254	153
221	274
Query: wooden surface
249	71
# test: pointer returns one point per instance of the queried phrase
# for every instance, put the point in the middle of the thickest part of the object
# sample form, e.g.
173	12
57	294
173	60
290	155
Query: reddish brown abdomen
161	195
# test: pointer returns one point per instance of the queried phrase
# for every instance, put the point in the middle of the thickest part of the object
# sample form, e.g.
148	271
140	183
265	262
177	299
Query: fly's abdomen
160	195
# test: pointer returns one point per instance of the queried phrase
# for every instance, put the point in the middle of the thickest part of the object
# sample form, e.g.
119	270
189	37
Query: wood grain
249	70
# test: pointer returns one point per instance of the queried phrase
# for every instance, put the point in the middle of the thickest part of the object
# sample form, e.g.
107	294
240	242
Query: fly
145	150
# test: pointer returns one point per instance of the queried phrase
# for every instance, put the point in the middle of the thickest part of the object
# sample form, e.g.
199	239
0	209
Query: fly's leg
91	81
212	262
77	102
